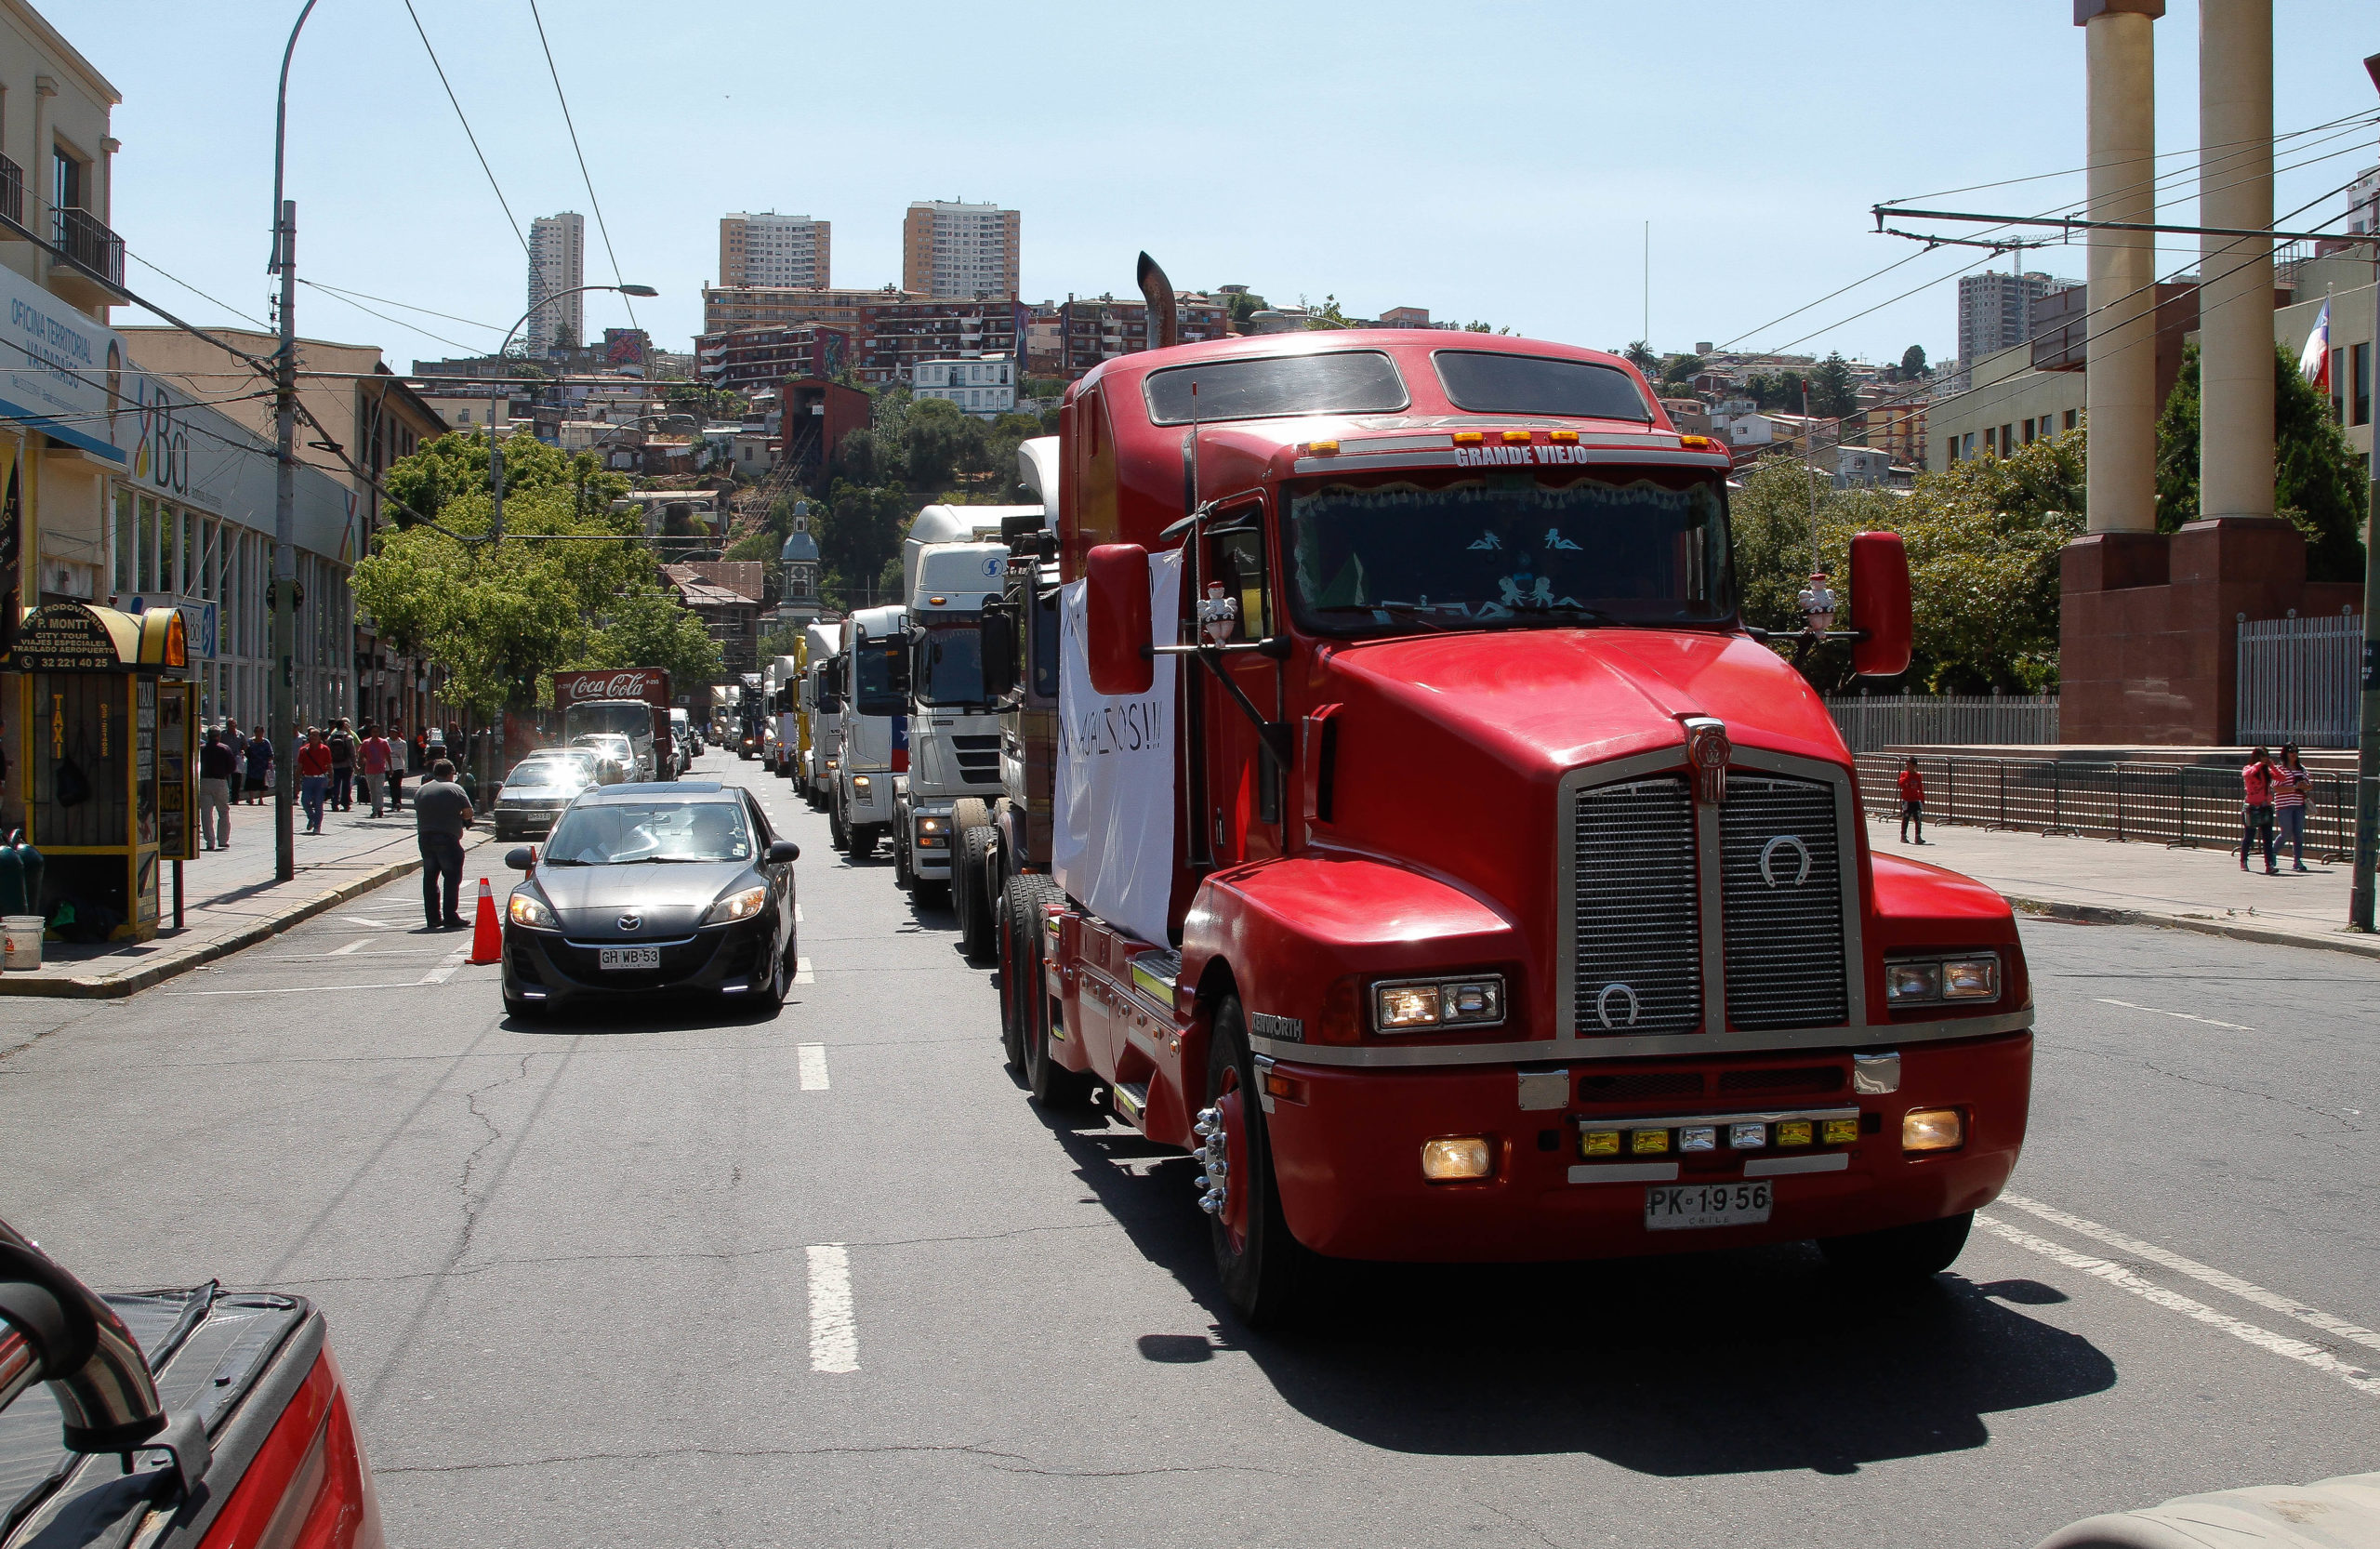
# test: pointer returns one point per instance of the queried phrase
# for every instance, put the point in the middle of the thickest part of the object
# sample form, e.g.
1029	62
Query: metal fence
2299	680
1902	720
2180	806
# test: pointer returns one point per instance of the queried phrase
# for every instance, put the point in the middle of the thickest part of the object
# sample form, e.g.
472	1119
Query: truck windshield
950	664
881	670
1500	552
632	717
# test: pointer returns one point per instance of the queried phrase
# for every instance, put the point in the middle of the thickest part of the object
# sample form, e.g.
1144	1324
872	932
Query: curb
116	986
2097	914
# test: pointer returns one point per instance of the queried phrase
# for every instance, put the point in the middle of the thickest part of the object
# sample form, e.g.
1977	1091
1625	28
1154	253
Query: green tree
650	628
1244	305
1326	315
859	537
933	436
2318	482
1834	393
1679	371
1912	364
780	639
1640	356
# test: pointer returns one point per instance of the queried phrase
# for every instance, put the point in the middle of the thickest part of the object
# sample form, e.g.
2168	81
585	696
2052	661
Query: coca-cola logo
619	685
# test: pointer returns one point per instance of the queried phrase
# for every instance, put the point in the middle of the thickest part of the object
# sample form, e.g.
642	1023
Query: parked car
186	1416
653	888
540	786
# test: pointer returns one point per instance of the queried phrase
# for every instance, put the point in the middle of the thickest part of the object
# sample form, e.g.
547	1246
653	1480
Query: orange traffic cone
487	936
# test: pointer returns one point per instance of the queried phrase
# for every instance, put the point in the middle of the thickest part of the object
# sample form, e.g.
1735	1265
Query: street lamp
495	458
494	446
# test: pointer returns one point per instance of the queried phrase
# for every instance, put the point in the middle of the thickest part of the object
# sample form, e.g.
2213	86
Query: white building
949	248
1995	310
985	386
1739	422
557	263
772	249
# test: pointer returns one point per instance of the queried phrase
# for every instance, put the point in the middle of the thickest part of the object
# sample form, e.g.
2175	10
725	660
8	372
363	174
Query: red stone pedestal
2148	636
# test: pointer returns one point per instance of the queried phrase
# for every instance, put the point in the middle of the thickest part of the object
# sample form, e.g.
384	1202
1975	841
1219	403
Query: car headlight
741	904
1403	1006
527	908
1914	981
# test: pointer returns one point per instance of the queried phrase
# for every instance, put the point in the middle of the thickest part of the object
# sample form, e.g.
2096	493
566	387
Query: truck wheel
1019	924
969	812
1899	1255
970	894
863	836
1051	1085
902	878
1260	1264
837	835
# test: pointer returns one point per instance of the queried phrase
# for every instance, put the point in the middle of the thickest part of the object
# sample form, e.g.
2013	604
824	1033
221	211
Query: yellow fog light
1456	1158
1648	1143
1793	1132
1840	1132
1599	1143
1932	1129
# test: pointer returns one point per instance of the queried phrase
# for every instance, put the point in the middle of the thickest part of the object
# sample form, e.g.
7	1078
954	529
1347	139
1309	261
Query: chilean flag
2314	364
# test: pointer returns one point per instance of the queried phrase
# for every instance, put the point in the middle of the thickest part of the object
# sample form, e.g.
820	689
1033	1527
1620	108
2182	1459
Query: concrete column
2120	354
2235	273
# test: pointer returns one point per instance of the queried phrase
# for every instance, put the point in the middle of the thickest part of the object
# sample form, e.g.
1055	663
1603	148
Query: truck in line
821	706
1435	852
872	666
630	700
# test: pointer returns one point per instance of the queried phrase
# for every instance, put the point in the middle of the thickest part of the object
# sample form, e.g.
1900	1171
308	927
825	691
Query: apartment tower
557	263
960	250
772	249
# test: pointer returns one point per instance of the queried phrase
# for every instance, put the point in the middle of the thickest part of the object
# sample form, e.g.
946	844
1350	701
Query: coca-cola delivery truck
1435	851
630	700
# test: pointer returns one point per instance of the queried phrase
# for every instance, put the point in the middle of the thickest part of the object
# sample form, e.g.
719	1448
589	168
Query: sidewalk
2146	884
231	900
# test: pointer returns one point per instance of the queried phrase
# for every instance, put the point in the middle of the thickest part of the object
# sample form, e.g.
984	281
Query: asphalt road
828	1279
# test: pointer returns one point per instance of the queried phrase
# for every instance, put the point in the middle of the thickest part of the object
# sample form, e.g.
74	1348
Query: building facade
949	248
1995	311
726	595
984	387
557	263
1099	328
747	358
772	249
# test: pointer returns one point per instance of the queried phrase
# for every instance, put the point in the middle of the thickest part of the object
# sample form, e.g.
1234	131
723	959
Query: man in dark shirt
342	746
217	764
440	814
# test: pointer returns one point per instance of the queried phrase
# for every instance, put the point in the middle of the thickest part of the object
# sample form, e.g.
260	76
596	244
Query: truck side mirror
1880	605
1116	603
995	639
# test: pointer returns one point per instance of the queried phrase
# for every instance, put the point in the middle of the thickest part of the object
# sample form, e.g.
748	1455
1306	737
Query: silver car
540	786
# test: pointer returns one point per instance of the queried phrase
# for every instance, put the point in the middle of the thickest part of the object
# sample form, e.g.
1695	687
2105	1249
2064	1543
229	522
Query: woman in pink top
2257	815
375	756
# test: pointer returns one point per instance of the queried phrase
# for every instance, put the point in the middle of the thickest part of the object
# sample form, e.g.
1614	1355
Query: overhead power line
467	125
584	175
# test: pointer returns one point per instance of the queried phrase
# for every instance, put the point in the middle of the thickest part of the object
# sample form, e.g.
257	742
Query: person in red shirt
2257	815
313	777
1912	802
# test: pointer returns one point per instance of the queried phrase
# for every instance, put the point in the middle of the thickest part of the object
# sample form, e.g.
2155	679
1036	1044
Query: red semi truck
1435	851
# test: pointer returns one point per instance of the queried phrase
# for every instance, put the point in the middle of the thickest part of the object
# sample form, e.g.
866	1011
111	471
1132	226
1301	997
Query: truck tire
837	835
1899	1255
970	892
969	812
863	836
1051	1085
1017	922
904	877
1262	1266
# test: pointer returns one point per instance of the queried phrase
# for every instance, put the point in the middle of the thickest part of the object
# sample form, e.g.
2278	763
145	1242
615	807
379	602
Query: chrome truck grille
1638	920
1782	882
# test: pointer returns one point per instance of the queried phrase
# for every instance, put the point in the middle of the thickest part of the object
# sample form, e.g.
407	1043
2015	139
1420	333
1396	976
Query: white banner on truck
1112	847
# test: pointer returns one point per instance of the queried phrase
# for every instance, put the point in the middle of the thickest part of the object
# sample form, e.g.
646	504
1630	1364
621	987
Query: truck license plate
650	957
1683	1207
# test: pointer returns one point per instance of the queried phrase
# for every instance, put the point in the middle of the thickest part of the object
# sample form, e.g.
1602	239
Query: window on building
2007	441
2073	417
2360	369
2338	385
1967	444
2029	431
123	541
144	574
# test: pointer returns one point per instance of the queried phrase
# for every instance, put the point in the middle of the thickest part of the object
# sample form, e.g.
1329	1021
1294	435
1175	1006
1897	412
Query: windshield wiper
1568	610
1428	618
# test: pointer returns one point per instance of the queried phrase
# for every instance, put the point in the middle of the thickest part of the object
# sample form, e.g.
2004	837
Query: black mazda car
646	889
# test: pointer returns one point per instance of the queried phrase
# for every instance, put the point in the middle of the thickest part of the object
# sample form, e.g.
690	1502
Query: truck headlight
527	908
741	904
1403	1006
933	833
860	785
1973	977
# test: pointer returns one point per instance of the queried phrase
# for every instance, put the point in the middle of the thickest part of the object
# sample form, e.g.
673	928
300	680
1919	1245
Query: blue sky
1496	161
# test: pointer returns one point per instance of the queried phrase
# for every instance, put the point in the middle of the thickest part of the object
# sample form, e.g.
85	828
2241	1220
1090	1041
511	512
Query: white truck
821	701
779	682
952	562
873	666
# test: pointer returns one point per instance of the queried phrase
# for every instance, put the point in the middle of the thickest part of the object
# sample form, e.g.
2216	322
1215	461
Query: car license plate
1683	1207
650	957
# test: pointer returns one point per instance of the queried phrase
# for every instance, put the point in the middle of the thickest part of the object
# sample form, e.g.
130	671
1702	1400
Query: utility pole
2367	760
284	554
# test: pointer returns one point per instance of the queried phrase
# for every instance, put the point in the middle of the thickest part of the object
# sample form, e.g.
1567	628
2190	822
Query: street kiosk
108	760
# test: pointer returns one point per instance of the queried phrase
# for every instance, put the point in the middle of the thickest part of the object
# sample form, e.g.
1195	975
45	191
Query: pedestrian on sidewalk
313	777
341	742
2290	783
374	754
2256	817
440	814
399	753
259	752
231	739
1912	800
217	767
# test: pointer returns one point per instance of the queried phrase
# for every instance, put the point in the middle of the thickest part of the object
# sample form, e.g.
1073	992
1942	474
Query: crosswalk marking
446	966
834	1337
811	1059
802	971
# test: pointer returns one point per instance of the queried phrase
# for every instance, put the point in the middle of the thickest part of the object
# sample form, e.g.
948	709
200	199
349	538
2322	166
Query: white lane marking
359	920
2298	1350
834	1338
2159	1011
300	989
2245	1289
811	1058
446	966
802	971
797	914
351	947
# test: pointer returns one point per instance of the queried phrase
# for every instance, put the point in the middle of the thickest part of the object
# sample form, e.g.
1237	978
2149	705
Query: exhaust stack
1165	325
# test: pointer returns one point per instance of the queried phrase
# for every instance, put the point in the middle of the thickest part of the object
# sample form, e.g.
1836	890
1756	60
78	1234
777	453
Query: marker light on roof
1700	443
1466	438
1322	448
1515	438
1567	438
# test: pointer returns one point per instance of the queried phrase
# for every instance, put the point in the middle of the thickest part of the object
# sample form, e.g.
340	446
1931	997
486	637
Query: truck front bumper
1348	1156
871	803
